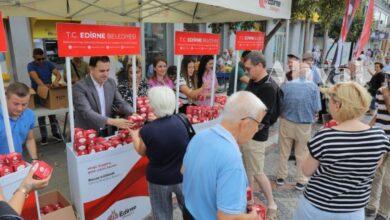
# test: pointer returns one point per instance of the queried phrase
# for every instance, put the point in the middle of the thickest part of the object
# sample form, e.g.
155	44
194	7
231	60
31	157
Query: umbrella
161	11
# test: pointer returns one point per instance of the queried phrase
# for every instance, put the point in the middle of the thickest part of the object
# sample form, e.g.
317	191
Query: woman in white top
188	84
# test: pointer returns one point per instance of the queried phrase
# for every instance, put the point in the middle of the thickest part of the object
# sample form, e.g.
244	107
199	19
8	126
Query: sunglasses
260	125
41	59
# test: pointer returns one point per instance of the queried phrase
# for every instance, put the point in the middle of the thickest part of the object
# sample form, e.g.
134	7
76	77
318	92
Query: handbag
190	129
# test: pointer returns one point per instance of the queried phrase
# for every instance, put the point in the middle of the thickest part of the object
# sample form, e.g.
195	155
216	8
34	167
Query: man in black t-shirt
262	85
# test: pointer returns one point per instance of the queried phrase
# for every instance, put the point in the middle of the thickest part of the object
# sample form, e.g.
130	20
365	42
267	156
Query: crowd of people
343	171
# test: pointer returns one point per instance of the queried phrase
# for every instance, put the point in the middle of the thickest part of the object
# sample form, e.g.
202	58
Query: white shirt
102	99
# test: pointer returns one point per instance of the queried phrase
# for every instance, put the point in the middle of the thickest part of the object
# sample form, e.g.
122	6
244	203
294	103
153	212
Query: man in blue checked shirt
301	102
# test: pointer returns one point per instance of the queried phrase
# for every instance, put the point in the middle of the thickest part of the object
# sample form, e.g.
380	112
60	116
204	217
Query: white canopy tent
157	11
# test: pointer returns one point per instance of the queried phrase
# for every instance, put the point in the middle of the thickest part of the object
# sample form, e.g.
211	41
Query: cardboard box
53	98
53	198
31	103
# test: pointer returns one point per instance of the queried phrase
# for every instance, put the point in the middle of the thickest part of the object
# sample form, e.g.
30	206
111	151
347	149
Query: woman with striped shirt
188	84
342	159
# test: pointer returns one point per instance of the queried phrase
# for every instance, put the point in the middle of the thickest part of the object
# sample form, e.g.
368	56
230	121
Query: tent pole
213	81
7	124
134	85
70	98
178	82
236	72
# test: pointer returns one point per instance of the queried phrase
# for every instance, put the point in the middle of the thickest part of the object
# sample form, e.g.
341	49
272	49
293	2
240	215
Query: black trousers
53	125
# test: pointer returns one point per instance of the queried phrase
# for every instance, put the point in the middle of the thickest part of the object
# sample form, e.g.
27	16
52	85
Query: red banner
97	40
3	44
366	32
246	40
193	43
351	7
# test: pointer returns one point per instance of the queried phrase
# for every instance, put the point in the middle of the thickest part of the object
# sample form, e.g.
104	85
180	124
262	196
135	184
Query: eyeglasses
260	125
41	59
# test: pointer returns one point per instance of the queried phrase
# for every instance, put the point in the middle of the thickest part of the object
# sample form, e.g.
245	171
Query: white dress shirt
102	99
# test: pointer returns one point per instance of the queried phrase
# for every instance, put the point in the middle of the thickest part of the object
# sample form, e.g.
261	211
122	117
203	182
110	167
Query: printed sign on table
246	40
3	44
193	43
97	40
110	184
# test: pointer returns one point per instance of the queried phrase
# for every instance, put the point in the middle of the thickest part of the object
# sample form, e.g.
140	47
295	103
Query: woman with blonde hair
125	82
342	160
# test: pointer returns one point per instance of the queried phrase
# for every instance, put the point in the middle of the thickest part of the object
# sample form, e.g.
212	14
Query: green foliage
234	26
303	9
330	11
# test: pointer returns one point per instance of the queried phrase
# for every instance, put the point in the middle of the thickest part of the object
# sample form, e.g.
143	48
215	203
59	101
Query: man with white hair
214	178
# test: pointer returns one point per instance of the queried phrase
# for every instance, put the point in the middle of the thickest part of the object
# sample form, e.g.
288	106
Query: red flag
366	32
351	7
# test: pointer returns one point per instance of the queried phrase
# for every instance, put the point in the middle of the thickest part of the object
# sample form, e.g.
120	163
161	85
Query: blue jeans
161	200
306	211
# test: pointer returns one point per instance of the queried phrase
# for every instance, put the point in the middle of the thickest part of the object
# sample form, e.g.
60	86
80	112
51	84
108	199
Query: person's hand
55	84
31	184
134	133
120	123
253	215
151	117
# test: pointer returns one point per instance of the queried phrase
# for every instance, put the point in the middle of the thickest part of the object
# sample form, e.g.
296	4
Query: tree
329	12
304	10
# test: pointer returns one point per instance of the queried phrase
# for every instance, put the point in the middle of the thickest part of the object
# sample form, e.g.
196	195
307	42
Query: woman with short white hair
164	141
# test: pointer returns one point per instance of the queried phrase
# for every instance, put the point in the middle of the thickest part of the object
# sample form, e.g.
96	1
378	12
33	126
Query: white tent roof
157	11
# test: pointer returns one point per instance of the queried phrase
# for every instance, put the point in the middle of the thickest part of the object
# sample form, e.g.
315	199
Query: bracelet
24	191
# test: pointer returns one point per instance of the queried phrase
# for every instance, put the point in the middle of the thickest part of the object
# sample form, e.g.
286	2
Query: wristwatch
23	190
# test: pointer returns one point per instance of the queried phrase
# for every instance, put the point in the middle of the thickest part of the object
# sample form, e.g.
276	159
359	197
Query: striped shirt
383	116
182	96
348	160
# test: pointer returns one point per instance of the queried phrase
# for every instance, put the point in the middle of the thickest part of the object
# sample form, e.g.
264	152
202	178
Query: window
155	43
